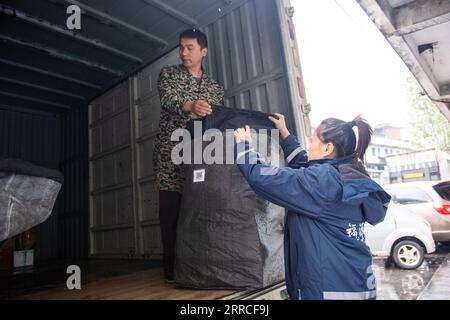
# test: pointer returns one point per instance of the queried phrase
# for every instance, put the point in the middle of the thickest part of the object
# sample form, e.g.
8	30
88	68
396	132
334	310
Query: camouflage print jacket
176	85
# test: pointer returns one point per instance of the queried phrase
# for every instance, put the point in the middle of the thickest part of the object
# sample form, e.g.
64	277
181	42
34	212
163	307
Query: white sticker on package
199	175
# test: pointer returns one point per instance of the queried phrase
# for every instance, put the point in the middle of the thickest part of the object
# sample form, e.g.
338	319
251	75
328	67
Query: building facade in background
386	141
421	165
381	148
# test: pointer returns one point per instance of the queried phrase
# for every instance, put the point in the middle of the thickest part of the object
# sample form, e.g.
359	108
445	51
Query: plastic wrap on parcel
227	236
25	200
224	118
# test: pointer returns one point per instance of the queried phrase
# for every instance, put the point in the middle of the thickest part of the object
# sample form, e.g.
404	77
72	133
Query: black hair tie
351	124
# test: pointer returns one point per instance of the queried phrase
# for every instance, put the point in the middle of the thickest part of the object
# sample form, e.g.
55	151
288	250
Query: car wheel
408	254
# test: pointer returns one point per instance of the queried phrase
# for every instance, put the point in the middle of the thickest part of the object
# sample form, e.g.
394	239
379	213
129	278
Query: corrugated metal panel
245	57
112	218
30	135
74	209
124	207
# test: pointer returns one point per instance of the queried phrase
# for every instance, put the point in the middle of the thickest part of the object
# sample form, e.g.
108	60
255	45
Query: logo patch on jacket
356	231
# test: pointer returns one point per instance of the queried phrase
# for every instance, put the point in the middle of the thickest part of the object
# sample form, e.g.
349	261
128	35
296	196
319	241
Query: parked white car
403	237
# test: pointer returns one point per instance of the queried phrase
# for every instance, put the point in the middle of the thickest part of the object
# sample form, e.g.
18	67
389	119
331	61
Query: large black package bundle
27	195
227	236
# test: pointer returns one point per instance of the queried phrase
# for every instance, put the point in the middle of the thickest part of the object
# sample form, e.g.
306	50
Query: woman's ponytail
363	136
346	141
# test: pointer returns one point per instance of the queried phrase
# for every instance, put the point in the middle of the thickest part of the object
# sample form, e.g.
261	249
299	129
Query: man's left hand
242	134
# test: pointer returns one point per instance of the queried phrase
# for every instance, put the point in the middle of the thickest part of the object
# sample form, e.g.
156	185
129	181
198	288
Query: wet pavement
429	281
438	287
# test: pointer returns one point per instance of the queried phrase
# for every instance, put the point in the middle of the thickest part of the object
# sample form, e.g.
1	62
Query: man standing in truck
186	91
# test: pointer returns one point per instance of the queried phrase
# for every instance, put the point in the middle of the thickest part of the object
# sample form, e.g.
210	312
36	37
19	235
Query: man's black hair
195	34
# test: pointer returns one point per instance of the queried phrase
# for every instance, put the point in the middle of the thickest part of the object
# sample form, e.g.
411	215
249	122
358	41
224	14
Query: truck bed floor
140	285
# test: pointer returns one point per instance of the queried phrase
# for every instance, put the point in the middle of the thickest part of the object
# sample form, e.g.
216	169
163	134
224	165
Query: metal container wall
112	226
74	208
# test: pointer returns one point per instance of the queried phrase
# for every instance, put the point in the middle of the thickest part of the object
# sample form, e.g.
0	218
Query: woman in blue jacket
328	195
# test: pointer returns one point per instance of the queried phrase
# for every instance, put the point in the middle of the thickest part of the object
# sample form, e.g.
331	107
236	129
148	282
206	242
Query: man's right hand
199	107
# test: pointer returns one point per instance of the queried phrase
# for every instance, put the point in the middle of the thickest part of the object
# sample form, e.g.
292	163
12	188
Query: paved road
397	284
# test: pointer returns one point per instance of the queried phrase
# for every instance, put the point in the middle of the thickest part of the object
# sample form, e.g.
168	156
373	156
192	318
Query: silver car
402	237
427	199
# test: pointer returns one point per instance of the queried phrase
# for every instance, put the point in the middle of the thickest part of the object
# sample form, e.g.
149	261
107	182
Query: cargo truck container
85	101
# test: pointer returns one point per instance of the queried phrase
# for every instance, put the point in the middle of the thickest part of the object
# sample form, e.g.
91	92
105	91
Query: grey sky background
348	66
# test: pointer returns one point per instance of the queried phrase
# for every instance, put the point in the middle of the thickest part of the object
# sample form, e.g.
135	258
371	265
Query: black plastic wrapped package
227	236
